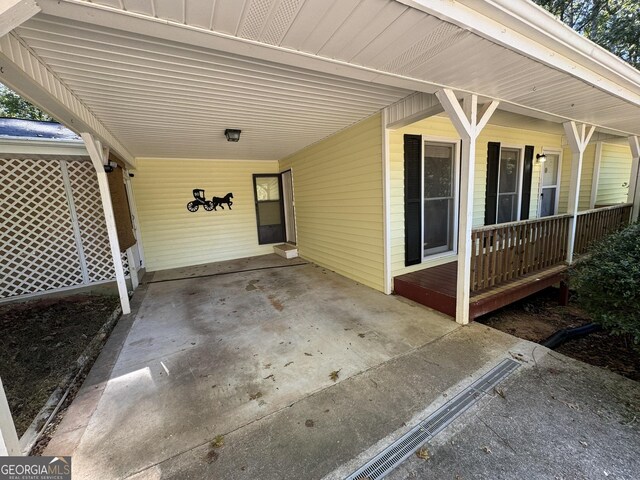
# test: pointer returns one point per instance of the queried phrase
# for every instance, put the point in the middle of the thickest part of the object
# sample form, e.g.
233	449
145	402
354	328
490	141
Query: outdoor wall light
541	157
232	134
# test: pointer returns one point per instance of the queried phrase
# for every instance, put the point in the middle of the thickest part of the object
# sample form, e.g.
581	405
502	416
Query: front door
550	185
269	208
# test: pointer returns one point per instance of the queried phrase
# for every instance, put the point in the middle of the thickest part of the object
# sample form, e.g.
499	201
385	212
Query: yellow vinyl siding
586	179
440	128
615	170
174	237
337	185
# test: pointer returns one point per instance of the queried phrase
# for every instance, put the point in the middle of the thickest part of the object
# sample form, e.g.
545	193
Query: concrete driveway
245	349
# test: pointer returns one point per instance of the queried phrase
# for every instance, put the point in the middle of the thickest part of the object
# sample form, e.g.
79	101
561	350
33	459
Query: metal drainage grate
400	450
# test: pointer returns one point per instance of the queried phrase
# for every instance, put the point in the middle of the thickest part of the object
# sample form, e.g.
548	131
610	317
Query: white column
634	180
386	210
465	119
595	179
99	159
578	138
133	268
9	445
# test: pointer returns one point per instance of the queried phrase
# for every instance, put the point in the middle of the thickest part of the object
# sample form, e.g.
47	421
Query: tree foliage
13	105
608	283
612	24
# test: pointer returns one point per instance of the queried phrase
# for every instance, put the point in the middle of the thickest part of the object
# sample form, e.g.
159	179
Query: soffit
139	85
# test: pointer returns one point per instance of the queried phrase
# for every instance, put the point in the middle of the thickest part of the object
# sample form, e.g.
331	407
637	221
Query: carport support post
99	159
578	139
9	444
465	118
634	180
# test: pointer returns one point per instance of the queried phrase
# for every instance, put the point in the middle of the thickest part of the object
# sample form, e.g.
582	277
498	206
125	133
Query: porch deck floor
435	288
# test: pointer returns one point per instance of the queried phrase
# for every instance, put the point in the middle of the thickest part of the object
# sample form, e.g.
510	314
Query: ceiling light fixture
232	135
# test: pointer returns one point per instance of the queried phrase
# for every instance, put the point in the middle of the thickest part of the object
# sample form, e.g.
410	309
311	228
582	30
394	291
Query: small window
508	185
439	197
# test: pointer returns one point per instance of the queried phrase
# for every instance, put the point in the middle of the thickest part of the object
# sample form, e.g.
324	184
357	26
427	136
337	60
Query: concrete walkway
559	419
249	355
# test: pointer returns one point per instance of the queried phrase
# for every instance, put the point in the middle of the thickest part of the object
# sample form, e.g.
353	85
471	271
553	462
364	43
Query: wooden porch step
435	288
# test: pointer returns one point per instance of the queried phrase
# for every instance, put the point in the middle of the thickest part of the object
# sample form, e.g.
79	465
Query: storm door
269	208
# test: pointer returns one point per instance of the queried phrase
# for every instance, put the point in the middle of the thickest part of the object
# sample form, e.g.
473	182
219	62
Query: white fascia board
527	29
39	146
110	17
14	13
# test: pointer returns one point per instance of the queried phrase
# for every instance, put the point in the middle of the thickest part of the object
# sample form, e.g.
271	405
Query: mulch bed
539	316
39	341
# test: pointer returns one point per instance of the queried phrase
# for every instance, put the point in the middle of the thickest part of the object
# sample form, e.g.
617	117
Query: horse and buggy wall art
199	199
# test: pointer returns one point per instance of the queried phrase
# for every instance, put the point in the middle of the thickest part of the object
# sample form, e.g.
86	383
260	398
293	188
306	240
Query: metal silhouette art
217	201
200	199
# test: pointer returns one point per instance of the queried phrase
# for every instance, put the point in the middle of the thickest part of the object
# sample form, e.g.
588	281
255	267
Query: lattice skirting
53	232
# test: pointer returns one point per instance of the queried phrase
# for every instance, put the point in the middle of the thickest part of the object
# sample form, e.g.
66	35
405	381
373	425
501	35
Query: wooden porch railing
594	225
504	252
510	250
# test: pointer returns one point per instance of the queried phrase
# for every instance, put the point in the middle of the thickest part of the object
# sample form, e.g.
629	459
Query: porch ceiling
165	99
290	72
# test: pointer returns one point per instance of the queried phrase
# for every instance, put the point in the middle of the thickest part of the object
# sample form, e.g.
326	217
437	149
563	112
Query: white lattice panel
37	243
93	228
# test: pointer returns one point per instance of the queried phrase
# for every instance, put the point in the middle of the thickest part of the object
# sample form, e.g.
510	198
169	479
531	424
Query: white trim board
596	175
386	189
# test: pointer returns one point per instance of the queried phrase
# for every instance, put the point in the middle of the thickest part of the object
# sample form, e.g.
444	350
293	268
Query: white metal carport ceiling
286	72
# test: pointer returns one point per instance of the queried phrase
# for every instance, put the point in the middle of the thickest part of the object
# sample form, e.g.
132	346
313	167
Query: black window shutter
526	182
412	199
491	195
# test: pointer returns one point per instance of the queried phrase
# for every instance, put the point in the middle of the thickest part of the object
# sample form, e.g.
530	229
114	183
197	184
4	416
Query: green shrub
608	283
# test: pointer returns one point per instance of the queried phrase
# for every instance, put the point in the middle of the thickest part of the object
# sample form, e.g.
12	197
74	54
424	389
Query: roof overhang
507	50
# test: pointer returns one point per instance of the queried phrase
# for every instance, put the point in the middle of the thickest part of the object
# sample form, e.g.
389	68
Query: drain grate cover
406	445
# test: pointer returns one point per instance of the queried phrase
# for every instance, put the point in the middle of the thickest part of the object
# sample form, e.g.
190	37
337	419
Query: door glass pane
438	221
550	170
438	170
509	170
507	207
438	197
548	202
267	188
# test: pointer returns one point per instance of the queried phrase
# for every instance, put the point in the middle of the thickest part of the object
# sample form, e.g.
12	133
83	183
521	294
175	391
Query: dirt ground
539	316
39	341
